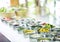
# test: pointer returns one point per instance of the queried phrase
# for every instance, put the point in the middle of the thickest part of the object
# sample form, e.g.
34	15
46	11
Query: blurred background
46	10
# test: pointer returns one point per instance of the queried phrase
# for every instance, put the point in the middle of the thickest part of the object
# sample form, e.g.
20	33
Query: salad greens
48	26
3	9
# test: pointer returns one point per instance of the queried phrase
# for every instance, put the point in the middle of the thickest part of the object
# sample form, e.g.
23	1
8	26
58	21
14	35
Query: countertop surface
3	38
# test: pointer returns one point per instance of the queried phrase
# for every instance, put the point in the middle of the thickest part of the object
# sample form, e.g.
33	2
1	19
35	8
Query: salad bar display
30	20
33	29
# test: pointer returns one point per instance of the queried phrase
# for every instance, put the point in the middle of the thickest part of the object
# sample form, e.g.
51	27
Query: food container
28	32
21	13
34	37
8	15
